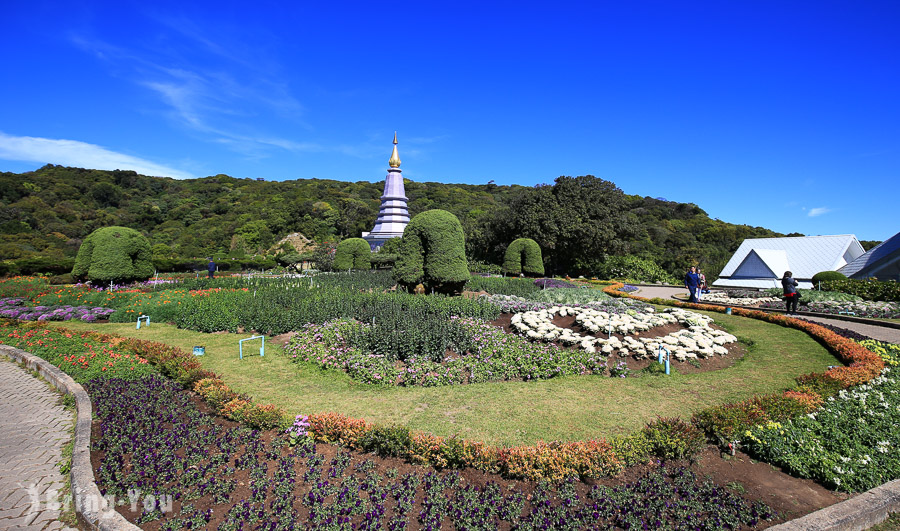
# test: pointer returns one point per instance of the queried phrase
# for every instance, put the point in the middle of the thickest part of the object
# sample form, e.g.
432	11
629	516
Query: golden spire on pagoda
395	157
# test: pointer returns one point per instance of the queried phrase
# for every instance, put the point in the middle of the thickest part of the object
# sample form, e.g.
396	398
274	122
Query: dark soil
787	496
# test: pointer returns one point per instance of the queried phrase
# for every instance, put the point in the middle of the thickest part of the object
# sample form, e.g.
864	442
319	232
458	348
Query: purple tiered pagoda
393	216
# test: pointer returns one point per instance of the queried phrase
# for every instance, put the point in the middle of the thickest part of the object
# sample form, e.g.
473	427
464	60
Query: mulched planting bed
156	439
226	477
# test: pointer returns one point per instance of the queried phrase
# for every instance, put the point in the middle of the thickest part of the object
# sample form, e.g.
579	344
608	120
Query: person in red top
791	295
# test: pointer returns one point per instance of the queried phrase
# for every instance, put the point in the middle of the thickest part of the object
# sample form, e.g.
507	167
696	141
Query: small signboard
199	351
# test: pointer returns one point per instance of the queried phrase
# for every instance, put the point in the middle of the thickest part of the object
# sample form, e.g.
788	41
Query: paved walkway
34	427
881	333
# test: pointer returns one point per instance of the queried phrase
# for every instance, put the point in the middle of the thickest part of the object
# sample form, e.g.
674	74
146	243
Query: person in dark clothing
791	295
211	269
692	283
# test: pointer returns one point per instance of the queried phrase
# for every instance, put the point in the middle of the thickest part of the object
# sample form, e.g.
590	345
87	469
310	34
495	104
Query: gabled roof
762	263
805	255
876	258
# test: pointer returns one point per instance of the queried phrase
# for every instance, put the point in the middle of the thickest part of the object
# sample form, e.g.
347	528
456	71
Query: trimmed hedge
114	254
352	253
432	253
824	276
524	256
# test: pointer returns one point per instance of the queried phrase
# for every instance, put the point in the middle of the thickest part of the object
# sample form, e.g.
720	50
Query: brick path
34	427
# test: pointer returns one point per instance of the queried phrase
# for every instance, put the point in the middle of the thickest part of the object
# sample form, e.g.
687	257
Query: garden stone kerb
85	493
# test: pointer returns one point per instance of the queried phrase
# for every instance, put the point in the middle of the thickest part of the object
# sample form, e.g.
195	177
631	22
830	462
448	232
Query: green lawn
512	413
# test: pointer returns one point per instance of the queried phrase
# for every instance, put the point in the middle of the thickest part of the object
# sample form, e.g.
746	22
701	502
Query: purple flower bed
15	308
628	288
545	283
189	470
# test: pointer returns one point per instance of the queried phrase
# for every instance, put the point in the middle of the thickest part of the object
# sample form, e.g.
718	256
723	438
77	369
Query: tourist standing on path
211	269
703	289
692	283
791	295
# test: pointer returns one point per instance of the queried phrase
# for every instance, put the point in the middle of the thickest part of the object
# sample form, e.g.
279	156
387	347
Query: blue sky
778	114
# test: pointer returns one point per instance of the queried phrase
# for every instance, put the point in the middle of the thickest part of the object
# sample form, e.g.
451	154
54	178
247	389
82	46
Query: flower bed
849	444
700	340
495	356
82	356
204	474
15	308
742	299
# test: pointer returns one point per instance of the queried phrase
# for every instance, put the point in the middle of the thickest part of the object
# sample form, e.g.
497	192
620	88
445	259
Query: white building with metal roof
761	262
881	262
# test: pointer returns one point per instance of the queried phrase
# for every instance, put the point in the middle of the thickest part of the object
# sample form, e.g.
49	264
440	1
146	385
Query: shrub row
665	438
869	289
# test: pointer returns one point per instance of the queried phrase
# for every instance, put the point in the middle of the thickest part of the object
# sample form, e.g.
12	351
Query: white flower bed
722	297
699	340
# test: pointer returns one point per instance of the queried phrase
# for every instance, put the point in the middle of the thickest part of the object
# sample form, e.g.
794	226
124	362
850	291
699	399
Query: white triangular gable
762	263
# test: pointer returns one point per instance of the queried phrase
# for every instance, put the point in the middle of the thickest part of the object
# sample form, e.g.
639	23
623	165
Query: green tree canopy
432	253
352	253
114	255
523	256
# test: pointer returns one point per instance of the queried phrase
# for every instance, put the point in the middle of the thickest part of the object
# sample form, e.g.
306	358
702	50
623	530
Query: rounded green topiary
114	254
524	256
352	253
823	276
432	253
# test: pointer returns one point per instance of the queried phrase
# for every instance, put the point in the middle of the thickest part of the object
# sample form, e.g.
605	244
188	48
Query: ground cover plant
15	308
223	476
82	356
406	356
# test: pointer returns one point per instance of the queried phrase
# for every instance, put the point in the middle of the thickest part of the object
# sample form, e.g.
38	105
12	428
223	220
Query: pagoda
393	216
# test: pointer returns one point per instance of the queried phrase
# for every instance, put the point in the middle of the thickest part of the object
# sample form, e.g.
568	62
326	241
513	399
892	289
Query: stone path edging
89	504
860	512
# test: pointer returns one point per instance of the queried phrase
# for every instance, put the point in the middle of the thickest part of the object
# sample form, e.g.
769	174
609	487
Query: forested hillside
578	221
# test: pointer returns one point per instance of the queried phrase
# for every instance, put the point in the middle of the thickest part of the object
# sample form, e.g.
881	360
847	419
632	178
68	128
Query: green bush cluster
432	253
673	438
276	307
352	253
520	287
114	255
50	265
635	269
523	256
869	289
726	423
823	276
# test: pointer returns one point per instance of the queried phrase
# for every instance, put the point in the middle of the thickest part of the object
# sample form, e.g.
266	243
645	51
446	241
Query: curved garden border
90	507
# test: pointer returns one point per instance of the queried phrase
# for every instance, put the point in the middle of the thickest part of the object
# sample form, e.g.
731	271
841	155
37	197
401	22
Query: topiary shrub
524	256
824	276
352	253
432	253
114	254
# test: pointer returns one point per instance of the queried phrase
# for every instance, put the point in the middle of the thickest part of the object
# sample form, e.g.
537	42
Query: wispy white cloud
80	154
818	211
224	104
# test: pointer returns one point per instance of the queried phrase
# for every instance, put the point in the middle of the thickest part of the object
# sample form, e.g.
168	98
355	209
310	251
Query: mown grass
512	413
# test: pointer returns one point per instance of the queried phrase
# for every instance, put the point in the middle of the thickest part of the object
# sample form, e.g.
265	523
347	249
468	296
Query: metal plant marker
147	321
262	347
659	356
